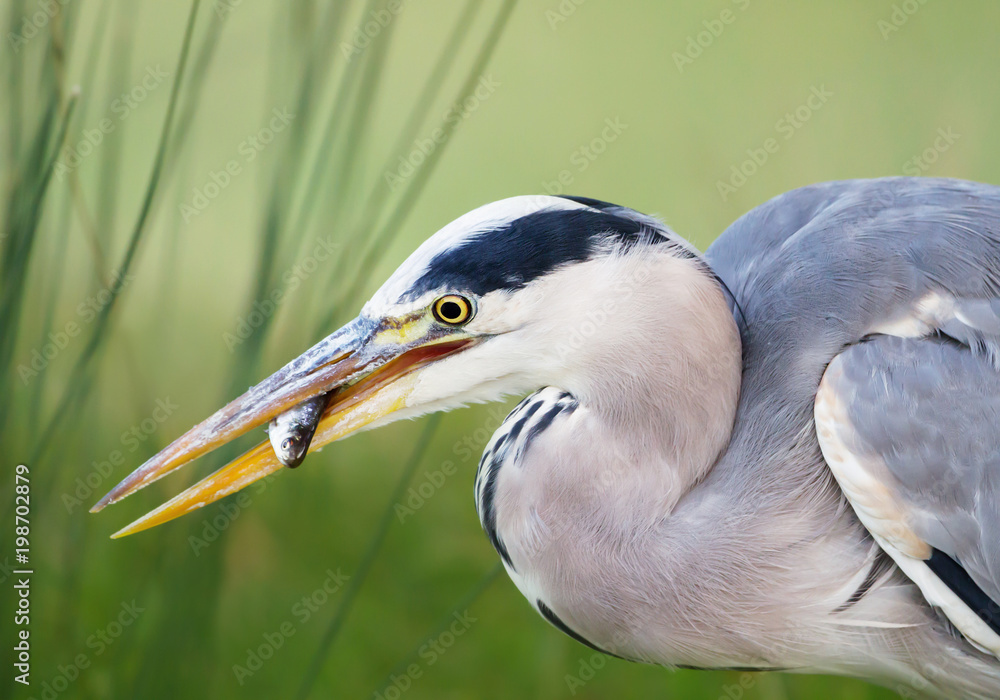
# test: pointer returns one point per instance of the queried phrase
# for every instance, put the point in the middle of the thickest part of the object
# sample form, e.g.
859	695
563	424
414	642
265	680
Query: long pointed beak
368	367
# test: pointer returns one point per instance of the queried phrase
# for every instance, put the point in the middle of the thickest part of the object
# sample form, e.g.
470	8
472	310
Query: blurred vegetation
168	170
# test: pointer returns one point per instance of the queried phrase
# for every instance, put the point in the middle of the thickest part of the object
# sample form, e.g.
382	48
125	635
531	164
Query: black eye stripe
513	254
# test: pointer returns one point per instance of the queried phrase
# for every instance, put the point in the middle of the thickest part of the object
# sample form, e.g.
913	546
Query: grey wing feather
976	323
835	258
928	411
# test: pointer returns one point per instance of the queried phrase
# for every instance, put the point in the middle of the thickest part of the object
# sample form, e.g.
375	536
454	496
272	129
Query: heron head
521	293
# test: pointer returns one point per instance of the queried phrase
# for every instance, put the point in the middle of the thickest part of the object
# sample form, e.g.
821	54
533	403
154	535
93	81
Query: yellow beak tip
130	529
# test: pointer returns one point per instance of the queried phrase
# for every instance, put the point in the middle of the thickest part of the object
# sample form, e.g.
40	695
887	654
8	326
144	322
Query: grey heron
781	454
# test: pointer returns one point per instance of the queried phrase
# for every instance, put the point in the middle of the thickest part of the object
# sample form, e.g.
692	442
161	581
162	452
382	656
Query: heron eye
453	310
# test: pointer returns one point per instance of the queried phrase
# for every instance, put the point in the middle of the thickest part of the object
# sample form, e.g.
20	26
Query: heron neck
670	382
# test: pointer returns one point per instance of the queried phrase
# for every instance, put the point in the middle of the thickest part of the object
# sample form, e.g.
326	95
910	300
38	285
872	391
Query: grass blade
81	376
367	559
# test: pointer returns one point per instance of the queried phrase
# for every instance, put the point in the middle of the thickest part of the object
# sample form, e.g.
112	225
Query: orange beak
370	368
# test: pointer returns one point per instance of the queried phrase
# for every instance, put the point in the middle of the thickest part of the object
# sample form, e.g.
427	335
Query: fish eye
287	443
453	310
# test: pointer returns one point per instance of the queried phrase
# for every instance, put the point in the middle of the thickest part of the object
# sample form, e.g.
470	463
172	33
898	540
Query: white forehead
487	217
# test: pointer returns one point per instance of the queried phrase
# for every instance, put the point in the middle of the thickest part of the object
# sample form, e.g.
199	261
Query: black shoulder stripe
515	430
501	441
569	404
958	580
491	463
554	620
545	421
490	511
520	404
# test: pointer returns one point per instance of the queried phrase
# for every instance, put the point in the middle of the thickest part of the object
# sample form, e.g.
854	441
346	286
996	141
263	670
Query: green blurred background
117	164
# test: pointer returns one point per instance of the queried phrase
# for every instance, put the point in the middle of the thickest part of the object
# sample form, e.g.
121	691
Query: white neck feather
659	356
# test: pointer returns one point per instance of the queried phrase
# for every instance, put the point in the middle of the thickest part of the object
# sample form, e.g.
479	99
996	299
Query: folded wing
910	428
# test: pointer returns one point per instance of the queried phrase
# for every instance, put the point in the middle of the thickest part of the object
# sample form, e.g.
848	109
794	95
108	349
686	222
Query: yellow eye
453	310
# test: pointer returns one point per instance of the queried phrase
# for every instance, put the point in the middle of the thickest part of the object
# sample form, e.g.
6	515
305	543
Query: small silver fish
292	431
